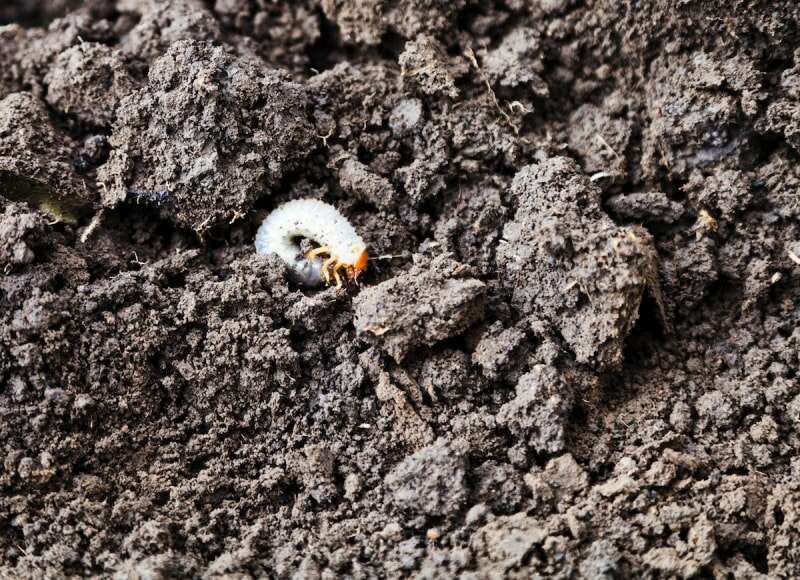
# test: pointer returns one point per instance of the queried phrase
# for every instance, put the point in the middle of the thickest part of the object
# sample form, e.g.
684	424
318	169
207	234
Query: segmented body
322	223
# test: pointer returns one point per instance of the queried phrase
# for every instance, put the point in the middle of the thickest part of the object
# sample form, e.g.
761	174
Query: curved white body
313	219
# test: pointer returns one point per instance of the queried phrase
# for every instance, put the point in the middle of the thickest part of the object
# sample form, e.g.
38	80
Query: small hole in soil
220	495
197	465
640	347
291	490
324	53
392	45
578	415
755	554
161	498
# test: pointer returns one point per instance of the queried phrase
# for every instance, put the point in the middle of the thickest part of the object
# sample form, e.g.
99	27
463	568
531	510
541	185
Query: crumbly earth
575	352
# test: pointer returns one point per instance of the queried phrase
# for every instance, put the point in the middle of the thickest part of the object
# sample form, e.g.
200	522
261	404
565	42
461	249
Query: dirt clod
392	315
236	130
565	261
431	482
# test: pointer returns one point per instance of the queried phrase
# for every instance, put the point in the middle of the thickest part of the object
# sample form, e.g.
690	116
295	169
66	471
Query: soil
575	351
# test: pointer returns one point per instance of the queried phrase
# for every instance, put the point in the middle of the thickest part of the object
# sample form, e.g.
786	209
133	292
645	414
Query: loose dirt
575	352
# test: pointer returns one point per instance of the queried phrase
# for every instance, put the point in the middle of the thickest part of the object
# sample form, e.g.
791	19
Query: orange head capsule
361	263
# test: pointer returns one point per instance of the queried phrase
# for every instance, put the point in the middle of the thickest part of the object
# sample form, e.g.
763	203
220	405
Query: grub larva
322	223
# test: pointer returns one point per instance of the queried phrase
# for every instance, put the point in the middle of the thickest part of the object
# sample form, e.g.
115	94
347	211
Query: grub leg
326	266
318	251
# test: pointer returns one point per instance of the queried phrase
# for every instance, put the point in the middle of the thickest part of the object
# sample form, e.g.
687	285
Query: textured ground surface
574	354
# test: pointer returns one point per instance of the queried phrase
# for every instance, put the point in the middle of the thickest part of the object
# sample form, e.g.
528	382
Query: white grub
345	251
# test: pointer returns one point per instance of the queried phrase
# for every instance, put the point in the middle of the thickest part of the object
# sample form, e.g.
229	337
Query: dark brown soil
575	352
